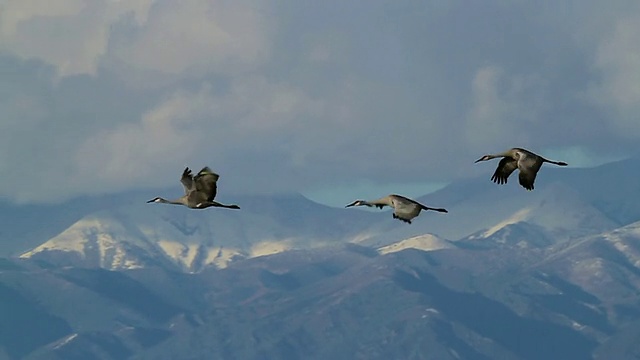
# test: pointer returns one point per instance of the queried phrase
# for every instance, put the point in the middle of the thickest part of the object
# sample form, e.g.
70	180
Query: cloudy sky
324	97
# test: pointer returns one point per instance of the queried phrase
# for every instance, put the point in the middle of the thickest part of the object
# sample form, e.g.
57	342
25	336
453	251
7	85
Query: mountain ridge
138	234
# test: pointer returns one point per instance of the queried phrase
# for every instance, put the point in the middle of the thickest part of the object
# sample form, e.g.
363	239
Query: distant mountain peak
519	216
141	235
426	242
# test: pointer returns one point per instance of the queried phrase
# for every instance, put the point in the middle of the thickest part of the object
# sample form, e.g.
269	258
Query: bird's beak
150	201
352	204
477	161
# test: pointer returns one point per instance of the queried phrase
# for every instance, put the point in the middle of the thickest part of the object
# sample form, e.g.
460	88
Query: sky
326	97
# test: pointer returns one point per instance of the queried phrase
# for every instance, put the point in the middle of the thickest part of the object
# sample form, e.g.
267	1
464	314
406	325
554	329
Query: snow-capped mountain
141	235
522	235
606	264
425	242
565	206
446	304
555	207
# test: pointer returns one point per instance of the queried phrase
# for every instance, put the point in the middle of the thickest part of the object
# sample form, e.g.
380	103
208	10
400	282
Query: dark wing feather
412	201
401	219
187	180
206	183
422	206
529	166
506	166
406	199
527	179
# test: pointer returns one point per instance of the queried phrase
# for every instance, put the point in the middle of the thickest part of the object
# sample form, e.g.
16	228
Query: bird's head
484	158
155	200
356	203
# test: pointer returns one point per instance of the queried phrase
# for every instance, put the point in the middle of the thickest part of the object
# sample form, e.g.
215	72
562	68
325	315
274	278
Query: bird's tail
435	209
559	163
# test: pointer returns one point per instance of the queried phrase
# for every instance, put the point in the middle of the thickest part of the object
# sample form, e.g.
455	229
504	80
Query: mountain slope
564	206
459	302
143	235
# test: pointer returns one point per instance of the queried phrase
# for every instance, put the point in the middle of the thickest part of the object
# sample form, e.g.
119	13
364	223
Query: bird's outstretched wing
187	180
206	183
527	179
529	166
506	166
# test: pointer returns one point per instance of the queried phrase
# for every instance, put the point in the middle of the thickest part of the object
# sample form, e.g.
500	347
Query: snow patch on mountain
426	242
606	265
363	237
555	215
72	239
627	241
221	257
92	238
185	254
519	216
522	235
65	341
270	247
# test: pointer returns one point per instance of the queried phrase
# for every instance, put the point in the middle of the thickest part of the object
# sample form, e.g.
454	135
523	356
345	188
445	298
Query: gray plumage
199	191
404	209
525	161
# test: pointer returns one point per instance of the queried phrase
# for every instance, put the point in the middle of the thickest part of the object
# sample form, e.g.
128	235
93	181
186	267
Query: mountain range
507	273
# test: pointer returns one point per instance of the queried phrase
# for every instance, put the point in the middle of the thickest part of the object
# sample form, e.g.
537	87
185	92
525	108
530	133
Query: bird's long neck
508	153
385	201
494	156
165	201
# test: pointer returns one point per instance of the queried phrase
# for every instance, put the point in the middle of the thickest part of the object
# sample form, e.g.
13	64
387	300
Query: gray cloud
101	96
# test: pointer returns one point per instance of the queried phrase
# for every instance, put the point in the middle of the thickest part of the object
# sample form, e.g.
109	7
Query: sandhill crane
404	209
199	191
527	162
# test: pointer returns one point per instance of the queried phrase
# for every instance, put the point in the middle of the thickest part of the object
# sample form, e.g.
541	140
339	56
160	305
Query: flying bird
199	191
404	209
524	160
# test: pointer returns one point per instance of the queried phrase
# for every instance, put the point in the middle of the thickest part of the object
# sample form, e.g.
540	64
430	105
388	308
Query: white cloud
199	35
70	34
488	115
505	109
286	96
618	60
195	128
154	35
166	135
